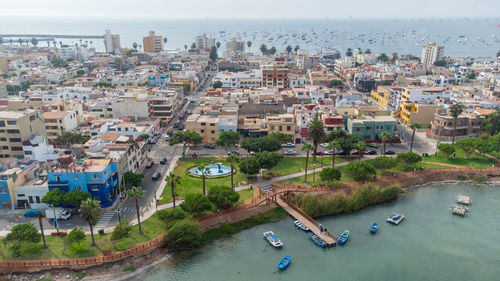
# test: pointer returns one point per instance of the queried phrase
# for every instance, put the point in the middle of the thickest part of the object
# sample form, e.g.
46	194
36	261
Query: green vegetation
223	196
244	195
20	234
409	159
68	138
196	203
360	170
184	234
217	84
492	123
477	178
227	139
329	174
336	84
91	211
129	268
267	143
57	62
475	160
341	202
132	179
136	193
121	230
447	150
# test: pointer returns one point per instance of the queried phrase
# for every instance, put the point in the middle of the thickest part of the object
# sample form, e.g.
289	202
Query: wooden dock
307	221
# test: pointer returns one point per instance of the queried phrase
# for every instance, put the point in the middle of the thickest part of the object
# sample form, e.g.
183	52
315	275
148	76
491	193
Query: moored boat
374	228
272	239
317	240
343	238
301	225
284	263
396	218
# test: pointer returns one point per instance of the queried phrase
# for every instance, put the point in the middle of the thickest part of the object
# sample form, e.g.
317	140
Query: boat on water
301	225
374	227
395	218
272	239
317	240
343	238
284	263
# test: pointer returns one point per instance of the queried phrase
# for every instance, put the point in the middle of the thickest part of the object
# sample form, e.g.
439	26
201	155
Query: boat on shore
395	218
272	239
284	263
301	225
374	227
343	238
317	240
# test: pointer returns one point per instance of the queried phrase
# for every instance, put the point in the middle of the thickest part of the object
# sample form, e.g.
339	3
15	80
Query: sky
238	9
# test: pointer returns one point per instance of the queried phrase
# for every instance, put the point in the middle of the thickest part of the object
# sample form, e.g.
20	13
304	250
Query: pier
62	36
313	225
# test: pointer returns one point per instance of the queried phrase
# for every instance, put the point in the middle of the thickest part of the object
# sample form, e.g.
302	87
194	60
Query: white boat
300	225
272	239
396	218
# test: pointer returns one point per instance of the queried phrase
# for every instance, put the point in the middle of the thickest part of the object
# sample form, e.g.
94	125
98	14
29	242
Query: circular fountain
215	170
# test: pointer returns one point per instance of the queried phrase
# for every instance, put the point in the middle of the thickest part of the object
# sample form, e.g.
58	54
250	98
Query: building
205	125
59	122
423	95
153	43
98	177
370	127
164	107
228	123
275	77
21	177
431	53
158	80
36	148
111	42
443	125
204	42
81	93
17	127
417	113
236	46
389	98
130	107
281	123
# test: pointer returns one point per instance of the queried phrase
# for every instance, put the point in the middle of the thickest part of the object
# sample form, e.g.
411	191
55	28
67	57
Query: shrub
360	170
121	230
477	178
222	196
184	234
172	214
196	203
129	268
462	177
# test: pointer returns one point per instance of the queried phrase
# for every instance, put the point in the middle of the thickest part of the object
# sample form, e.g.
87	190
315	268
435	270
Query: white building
431	53
204	42
297	81
111	42
67	53
36	148
76	93
242	79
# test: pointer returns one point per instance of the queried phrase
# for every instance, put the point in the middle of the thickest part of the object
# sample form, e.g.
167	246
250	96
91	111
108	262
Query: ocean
461	37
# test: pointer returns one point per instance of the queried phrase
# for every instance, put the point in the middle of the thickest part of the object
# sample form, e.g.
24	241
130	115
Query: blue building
158	80
228	123
99	177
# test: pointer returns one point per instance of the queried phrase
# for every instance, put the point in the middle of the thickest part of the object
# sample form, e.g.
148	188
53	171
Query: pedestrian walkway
106	217
444	164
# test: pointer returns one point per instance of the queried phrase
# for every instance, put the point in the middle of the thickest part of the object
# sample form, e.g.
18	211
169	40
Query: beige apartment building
281	123
58	122
205	125
152	43
17	127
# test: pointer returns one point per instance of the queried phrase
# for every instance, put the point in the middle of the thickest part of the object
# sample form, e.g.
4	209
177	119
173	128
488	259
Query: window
3	190
3	139
96	177
21	195
15	139
75	177
202	131
2	123
95	188
78	187
16	148
58	178
28	153
12	122
13	131
31	199
212	124
212	132
37	198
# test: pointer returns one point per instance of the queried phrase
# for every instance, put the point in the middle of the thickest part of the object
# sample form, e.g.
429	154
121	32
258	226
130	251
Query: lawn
475	161
244	195
290	165
152	228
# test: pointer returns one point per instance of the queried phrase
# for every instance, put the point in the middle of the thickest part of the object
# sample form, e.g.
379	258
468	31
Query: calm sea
461	37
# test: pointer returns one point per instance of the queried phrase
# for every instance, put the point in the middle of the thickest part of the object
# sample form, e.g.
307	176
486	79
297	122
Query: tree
193	46
384	136
171	215
446	149
263	49
268	160
69	138
217	84
316	132
383	57
121	230
333	145
227	139
492	123
498	54
186	137
495	143
289	49
249	166
223	196
165	40
360	146
185	47
384	162
144	136
1	40
232	158
307	147
440	63
58	63
267	143
336	84
360	170
330	174
204	170
409	158
75	198
282	137
196	203
249	44
76	235
20	41
213	54
469	146
217	44
296	48
34	42
414	127
91	211
53	197
173	180
132	179
136	193
455	110
348	53
22	233
368	51
183	235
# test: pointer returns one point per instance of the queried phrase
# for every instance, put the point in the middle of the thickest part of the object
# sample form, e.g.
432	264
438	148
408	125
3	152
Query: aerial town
139	134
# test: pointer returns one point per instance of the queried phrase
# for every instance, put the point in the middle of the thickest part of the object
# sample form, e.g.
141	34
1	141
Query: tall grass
341	202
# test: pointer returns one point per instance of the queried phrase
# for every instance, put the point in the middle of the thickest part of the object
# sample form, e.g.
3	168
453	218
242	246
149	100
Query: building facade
369	128
431	53
17	127
111	42
153	43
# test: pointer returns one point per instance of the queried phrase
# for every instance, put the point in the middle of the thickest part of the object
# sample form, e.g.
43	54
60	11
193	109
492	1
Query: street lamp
119	215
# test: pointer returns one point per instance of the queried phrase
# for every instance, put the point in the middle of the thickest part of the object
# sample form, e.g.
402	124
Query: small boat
343	238
396	218
317	240
374	227
301	225
284	263
272	239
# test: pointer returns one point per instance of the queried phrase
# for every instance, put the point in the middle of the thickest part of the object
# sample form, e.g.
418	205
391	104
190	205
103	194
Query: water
461	37
431	244
213	170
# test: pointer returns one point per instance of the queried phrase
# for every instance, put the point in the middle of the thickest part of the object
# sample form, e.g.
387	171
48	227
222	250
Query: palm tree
185	47
249	44
134	45
20	41
91	211
384	136
173	180
333	145
360	146
136	193
414	127
232	158
140	48
91	42
307	147
165	40
204	172
316	131
455	110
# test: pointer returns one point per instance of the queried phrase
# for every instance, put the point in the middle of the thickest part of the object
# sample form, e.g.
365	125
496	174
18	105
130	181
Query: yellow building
205	125
17	127
381	96
422	114
281	123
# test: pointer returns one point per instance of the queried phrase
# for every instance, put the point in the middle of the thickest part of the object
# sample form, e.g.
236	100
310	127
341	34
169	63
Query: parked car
319	152
357	152
180	127
167	138
371	152
252	153
170	132
163	160
209	146
59	213
176	124
181	116
324	145
32	213
149	165
288	145
328	152
341	153
290	152
389	152
234	151
155	176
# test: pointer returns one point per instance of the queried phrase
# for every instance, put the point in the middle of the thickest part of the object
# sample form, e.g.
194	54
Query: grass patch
290	165
80	275
244	195
476	160
129	268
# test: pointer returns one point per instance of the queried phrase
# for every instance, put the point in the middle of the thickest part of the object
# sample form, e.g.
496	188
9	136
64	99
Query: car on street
163	160
234	151
371	152
324	145
149	165
341	153
180	127
319	152
170	132
167	138
32	213
290	152
181	116
389	152
209	146
288	145
176	124
357	152
328	152
252	153
156	176
374	145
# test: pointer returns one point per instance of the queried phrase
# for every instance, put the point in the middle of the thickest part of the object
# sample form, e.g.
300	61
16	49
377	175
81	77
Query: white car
290	152
324	145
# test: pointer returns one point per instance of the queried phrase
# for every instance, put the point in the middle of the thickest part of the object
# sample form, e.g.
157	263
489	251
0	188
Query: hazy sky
253	8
